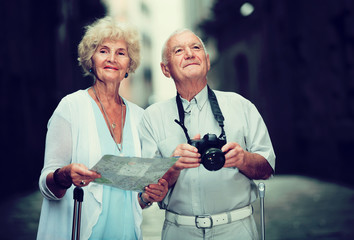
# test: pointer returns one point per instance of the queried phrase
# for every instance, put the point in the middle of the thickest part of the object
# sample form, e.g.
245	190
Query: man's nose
188	53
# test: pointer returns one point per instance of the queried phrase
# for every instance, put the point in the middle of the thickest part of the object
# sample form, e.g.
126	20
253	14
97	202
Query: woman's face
111	60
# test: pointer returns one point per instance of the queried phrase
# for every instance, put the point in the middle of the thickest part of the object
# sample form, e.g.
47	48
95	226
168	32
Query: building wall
38	66
294	60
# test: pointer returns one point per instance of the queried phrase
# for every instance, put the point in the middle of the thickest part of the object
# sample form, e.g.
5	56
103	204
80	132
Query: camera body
209	147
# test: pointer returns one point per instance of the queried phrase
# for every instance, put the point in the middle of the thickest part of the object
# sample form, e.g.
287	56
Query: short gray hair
164	53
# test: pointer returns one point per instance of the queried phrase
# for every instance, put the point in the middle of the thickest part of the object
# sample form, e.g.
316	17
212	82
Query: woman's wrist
58	180
144	202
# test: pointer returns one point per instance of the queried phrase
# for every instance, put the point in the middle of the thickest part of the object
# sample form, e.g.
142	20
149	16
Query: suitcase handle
78	199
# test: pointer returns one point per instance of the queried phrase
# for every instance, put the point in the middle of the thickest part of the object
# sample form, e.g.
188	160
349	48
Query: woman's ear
165	70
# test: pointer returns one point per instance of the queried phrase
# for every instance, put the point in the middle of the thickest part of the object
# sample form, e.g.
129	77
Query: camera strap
214	108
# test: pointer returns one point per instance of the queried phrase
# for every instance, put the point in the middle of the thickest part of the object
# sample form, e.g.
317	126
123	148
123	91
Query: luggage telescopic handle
261	190
78	198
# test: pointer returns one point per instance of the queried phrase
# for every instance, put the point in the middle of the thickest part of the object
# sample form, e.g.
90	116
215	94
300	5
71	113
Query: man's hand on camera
188	156
234	155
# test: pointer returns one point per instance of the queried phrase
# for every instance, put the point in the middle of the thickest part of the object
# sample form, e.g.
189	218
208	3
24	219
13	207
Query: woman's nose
112	57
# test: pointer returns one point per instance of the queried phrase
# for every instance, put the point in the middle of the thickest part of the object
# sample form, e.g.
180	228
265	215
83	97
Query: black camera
209	146
210	149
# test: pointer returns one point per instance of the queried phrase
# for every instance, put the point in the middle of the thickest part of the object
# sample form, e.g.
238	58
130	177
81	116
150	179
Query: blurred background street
293	59
296	208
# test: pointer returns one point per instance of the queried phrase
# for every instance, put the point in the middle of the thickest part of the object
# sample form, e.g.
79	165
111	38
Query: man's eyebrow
197	44
176	47
191	44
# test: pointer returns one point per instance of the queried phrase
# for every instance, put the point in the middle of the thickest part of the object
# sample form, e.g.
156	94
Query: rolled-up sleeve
257	137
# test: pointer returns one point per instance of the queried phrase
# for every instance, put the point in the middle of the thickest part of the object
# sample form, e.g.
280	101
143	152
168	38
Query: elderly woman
85	126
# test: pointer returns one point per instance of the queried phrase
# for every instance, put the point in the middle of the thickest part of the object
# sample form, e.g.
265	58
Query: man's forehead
182	39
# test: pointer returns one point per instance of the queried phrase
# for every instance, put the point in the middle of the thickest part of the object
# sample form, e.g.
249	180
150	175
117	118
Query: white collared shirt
197	190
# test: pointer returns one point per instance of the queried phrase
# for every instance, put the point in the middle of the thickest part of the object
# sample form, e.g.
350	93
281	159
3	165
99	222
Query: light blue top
116	220
197	190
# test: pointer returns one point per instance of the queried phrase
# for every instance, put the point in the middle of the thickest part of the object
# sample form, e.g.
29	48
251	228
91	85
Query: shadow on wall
38	66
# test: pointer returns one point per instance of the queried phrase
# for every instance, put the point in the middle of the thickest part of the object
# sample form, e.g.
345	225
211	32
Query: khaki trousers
244	229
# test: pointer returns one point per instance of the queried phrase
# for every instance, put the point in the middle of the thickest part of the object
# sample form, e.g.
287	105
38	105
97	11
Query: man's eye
196	47
178	51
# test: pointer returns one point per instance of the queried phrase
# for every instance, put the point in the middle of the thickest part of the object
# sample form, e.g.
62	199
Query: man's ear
208	62
165	70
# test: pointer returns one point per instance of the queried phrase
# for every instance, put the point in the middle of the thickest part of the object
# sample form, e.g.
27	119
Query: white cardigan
75	113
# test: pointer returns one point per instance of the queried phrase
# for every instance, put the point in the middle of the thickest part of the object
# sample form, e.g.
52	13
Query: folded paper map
131	173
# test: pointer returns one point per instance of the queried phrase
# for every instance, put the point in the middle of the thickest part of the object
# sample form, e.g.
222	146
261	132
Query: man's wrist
175	168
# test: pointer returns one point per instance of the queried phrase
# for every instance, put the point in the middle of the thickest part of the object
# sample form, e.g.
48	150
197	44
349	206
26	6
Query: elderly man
205	202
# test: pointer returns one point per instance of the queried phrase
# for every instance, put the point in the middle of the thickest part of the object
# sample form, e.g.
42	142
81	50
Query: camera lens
213	159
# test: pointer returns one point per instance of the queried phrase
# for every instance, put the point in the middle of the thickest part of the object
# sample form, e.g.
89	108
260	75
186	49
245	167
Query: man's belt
208	221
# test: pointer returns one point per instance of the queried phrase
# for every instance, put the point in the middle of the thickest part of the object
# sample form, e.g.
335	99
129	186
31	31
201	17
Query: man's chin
193	71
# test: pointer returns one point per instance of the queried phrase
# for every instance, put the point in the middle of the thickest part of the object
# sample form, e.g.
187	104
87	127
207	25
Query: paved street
295	208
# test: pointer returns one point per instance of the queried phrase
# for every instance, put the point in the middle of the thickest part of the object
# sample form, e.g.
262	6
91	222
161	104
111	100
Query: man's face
186	58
